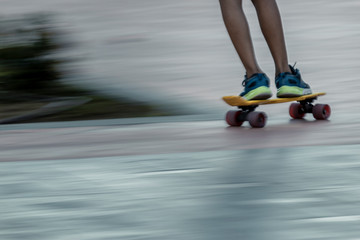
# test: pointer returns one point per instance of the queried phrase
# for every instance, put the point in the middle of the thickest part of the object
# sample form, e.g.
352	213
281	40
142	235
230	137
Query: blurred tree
26	48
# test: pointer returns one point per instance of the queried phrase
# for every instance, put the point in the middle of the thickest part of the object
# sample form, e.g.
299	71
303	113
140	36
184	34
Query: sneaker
291	84
256	87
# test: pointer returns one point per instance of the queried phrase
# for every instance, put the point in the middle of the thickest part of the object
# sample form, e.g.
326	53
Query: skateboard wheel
257	119
296	111
321	111
232	118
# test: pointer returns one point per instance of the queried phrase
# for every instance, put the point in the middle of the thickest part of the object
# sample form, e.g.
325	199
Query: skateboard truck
319	111
306	105
246	113
245	110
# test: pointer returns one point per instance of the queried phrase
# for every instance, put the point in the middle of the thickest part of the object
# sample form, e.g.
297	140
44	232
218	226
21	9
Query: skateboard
246	112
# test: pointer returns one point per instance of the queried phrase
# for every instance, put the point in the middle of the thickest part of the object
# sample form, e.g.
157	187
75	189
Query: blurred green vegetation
29	71
26	48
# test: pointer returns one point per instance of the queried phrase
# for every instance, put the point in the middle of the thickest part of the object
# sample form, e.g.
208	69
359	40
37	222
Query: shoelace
244	82
294	71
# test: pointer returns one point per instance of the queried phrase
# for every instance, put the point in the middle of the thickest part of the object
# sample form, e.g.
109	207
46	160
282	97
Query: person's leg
288	79
271	26
256	83
238	29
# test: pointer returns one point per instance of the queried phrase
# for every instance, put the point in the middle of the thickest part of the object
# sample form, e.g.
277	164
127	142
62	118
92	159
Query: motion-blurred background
177	56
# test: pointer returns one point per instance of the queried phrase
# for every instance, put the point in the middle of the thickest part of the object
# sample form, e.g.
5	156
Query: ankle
251	72
282	69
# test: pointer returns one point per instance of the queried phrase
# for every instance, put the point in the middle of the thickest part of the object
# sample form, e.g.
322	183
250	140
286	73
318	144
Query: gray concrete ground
180	180
286	193
177	178
87	139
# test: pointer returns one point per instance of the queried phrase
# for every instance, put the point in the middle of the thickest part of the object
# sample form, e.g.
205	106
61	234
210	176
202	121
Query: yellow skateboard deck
247	113
238	101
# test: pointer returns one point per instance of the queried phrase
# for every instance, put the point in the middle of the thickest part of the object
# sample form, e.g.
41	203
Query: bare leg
238	29
271	26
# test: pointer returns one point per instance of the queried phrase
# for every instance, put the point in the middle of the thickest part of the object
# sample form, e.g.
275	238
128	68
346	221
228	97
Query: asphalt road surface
180	180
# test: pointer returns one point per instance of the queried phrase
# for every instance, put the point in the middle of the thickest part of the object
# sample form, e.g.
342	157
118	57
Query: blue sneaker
291	84
256	87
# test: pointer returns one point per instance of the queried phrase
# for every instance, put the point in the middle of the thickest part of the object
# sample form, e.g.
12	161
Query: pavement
177	178
190	176
140	136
